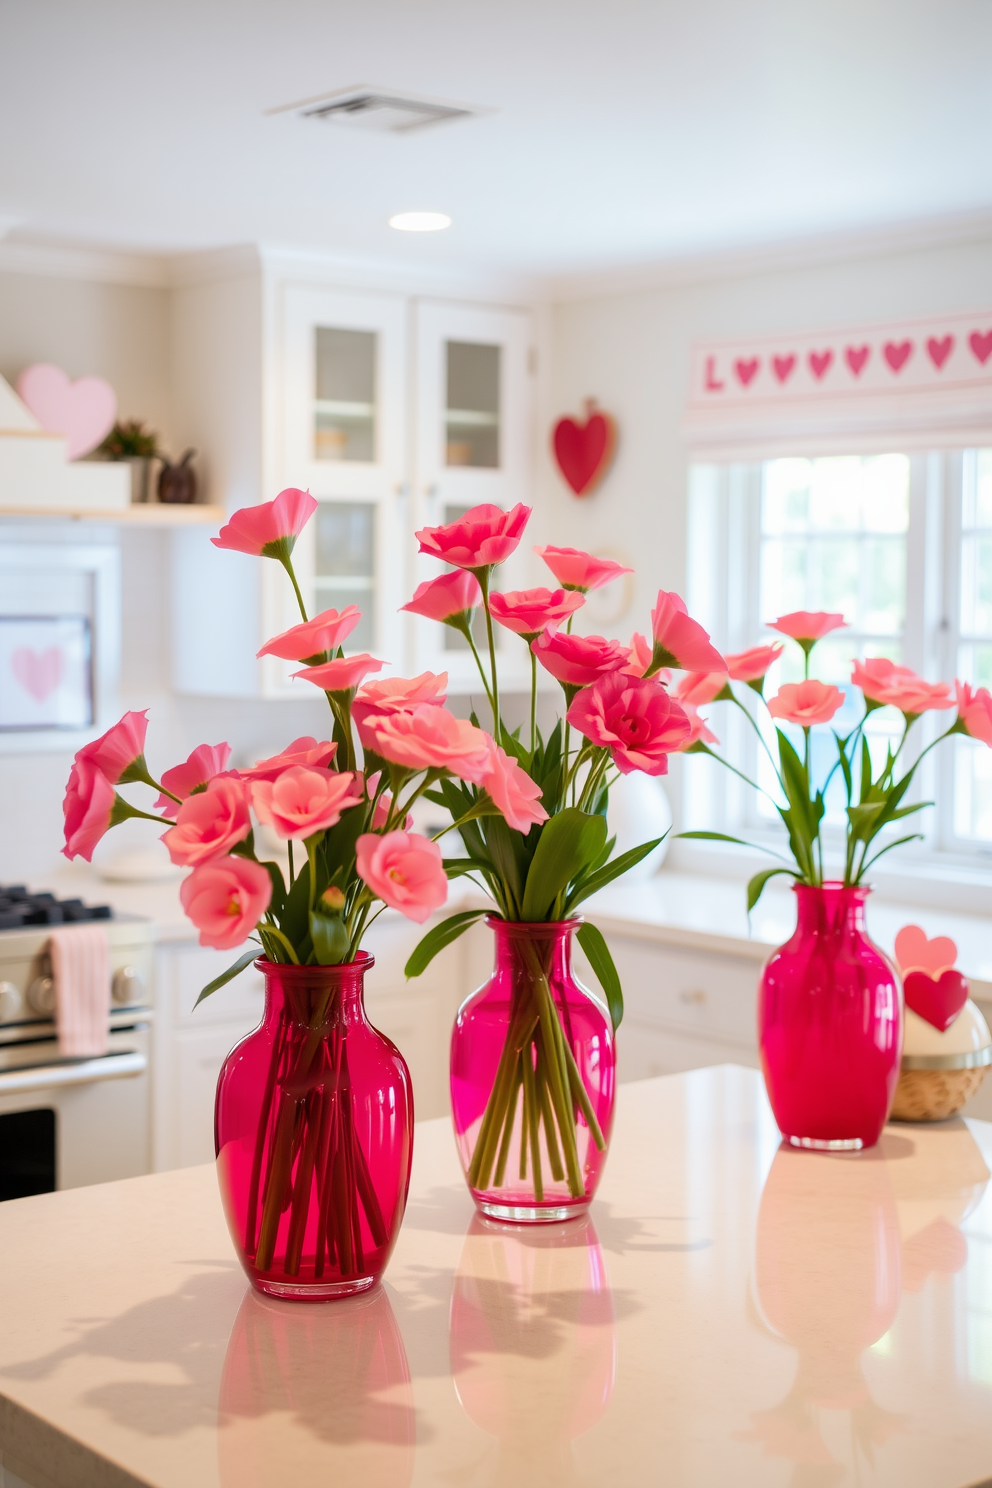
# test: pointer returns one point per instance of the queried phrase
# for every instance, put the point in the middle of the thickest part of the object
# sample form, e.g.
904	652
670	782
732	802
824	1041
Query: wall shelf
153	514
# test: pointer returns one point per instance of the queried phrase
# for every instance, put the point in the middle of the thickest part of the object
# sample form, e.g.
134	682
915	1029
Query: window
345	568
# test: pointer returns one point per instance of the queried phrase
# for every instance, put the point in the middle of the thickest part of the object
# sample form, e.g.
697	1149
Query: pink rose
634	718
483	536
404	871
512	790
325	632
453	595
750	666
398	694
974	711
383	805
302	800
226	899
117	751
577	660
428	738
639	657
529	611
342	675
883	682
807	702
577	570
697	728
88	808
700	687
209	823
303	751
679	641
807	625
206	761
270	529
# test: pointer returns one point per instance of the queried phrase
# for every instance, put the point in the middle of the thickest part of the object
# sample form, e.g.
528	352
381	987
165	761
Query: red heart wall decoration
855	357
782	367
819	363
898	354
746	368
584	450
981	345
939	351
937	999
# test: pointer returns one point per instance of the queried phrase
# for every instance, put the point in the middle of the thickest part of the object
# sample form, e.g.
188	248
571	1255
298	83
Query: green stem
283	940
533	699
310	843
292	872
287	564
467	632
483	576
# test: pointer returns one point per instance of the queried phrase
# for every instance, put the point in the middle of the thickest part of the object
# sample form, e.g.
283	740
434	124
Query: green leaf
600	877
505	849
913	837
714	837
331	942
458	867
442	935
567	844
278	887
599	958
756	885
228	975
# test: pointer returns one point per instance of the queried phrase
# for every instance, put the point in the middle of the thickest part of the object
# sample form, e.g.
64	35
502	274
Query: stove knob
41	996
10	1002
128	985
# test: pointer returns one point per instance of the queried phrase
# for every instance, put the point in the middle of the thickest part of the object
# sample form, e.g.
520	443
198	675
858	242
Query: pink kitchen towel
81	971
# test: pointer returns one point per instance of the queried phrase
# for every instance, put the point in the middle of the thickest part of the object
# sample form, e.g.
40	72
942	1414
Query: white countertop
730	1314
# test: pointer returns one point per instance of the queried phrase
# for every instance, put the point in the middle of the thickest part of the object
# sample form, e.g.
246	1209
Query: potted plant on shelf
132	441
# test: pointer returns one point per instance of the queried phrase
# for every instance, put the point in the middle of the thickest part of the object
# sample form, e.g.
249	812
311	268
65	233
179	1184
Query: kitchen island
730	1312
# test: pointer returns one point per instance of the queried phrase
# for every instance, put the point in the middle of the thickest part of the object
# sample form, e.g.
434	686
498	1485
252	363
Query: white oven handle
86	1072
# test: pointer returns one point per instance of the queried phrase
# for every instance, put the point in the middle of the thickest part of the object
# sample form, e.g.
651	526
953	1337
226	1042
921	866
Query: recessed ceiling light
420	221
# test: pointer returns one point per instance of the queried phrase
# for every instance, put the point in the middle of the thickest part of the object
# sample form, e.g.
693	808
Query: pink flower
529	611
116	752
325	632
883	682
444	598
679	641
303	800
807	625
700	687
226	899
206	761
404	871
428	738
808	703
578	660
974	711
749	666
341	675
209	823
512	790
577	570
383	805
270	529
88	808
303	751
398	694
639	659
483	536
697	728
634	718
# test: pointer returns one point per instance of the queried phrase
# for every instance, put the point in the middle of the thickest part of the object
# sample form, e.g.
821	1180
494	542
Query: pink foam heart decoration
819	362
897	354
783	367
937	999
915	952
84	411
746	369
939	351
39	672
981	345
855	357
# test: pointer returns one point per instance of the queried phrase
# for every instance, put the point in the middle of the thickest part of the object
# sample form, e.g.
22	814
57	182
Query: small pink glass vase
314	1136
532	1080
830	1017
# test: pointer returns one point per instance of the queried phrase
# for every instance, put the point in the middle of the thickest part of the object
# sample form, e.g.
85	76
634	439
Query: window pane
344	412
472	422
345	569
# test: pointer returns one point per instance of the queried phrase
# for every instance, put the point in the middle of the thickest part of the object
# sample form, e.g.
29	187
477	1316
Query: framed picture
46	672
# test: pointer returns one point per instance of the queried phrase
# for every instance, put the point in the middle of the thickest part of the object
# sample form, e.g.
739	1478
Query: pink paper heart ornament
38	672
84	410
914	952
938	1000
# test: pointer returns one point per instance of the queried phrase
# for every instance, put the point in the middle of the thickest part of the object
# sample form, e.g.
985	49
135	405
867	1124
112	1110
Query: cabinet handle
696	997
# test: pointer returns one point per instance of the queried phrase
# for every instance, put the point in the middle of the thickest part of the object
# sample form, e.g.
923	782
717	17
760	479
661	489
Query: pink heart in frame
746	369
819	363
938	1000
38	672
981	345
939	351
914	952
898	354
855	357
782	367
84	411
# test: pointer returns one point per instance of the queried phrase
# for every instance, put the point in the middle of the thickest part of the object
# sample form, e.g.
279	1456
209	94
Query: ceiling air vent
380	109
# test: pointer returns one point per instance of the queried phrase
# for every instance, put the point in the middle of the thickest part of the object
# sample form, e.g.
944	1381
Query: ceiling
628	132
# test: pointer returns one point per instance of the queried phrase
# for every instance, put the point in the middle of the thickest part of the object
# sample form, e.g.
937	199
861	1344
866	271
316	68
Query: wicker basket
934	1094
941	1070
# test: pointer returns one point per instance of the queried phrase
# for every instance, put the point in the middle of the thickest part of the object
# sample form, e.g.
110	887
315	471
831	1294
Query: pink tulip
483	536
974	711
206	761
209	823
529	611
404	871
270	529
225	899
808	703
883	682
88	808
577	570
447	597
634	718
679	641
325	632
807	625
578	660
303	751
750	666
512	790
639	659
700	687
116	752
303	800
698	729
428	738
343	675
398	694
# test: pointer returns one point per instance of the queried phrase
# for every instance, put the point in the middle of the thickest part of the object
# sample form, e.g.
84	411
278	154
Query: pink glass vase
830	1025
532	1080
314	1136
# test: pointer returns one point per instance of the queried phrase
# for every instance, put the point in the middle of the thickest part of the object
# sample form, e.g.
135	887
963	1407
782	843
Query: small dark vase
177	483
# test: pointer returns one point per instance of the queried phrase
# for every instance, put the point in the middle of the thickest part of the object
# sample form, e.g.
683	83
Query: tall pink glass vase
533	1067
314	1136
830	1017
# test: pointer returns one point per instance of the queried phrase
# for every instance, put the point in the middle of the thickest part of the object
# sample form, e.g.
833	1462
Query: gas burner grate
19	909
